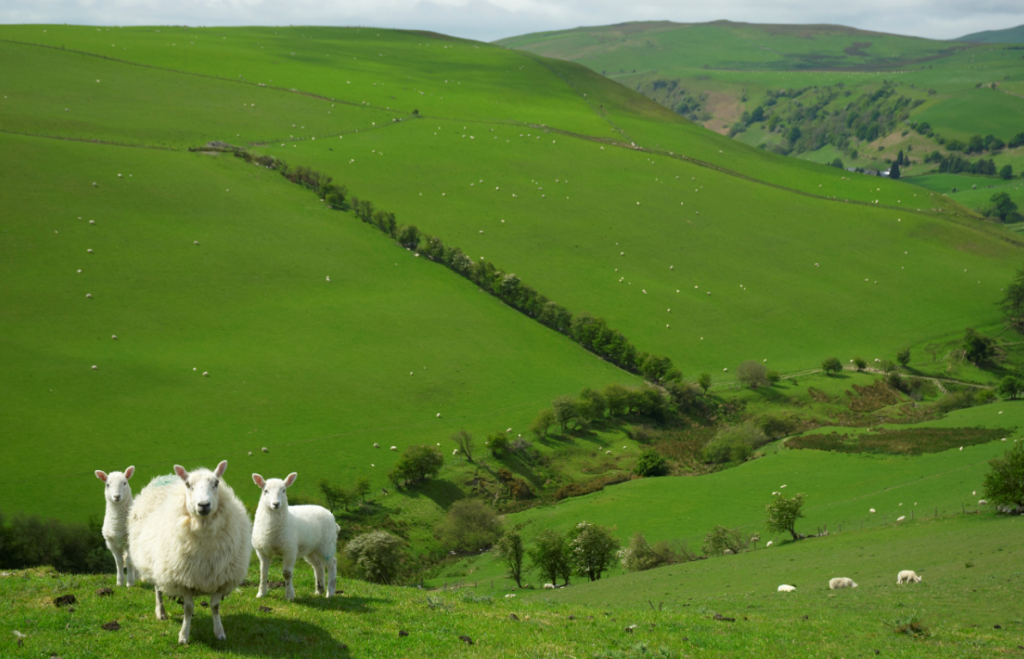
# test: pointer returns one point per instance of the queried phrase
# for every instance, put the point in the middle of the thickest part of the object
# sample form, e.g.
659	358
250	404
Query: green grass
672	608
972	191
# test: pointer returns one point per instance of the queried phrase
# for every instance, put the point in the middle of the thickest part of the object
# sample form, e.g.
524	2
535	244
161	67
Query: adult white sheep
291	532
841	582
907	577
190	535
786	588
118	494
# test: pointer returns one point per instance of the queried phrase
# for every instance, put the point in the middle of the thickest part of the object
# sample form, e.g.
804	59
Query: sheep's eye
216	483
108	484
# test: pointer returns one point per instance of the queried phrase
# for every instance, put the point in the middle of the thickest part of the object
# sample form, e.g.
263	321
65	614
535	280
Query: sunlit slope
400	72
624	47
315	371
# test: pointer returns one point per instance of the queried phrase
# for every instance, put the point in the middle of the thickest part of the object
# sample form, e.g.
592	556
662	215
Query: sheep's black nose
117	497
204	509
277	504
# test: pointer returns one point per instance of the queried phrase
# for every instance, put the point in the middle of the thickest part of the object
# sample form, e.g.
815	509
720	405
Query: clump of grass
910	625
473	598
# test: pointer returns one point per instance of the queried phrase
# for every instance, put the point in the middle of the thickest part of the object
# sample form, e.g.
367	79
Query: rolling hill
1009	35
693	245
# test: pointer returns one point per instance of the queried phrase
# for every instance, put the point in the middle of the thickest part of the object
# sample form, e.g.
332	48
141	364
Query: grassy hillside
967	606
515	159
1009	35
860	92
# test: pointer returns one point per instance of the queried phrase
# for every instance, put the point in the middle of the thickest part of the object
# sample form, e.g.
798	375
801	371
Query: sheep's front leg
161	612
218	628
264	573
118	563
332	576
186	622
288	561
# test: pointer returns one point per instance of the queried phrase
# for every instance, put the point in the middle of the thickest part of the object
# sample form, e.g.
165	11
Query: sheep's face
275	491
116	487
202	489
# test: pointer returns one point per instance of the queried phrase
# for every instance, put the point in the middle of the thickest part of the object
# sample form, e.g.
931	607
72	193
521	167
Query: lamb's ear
128	472
256	478
221	468
291	479
101	475
182	474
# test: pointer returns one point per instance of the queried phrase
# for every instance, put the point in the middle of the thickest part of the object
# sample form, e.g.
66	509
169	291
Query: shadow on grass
265	635
442	492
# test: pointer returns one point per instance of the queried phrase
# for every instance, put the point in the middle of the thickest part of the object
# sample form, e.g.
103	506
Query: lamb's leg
218	628
130	569
161	612
288	562
118	563
332	576
318	572
264	573
186	622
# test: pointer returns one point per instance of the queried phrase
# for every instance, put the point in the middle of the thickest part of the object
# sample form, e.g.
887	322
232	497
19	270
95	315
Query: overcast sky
487	20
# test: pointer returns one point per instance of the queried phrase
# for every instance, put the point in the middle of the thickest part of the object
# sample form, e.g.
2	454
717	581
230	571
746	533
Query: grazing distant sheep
907	577
190	535
982	502
118	494
549	586
770	543
785	588
841	582
901	518
290	532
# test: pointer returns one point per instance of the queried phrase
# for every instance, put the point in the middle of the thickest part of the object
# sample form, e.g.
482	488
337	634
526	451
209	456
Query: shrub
1010	387
831	366
775	426
860	363
376	556
638	556
416	464
719	539
471	525
591	550
498	443
985	396
955	400
650	463
464	441
773	377
783	513
753	374
1004	484
566	412
542	424
28	541
550	556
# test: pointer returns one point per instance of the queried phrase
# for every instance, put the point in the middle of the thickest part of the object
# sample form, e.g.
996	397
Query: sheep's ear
101	475
221	468
129	471
291	479
256	478
182	474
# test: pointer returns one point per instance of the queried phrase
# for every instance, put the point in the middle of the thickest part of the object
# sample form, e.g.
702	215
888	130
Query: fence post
962	509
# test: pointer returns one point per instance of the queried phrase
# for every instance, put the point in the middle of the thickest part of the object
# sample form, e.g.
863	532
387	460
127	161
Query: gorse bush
376	556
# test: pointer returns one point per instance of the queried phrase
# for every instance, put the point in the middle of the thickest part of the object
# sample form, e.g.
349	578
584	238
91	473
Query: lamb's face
275	491
202	489
116	487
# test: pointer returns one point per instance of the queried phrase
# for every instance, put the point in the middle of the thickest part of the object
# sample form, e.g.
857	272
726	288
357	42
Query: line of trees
588	331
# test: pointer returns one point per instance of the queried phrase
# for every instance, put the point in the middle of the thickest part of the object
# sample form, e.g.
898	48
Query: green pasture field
840	489
314	371
670	612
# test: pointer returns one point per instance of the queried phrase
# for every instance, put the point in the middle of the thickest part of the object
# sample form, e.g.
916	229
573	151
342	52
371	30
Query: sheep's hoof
182	640
161	615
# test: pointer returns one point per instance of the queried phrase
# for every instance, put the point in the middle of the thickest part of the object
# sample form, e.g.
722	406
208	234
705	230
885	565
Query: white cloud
487	20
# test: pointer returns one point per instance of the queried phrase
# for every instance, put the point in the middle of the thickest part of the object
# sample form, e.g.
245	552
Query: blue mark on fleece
166	479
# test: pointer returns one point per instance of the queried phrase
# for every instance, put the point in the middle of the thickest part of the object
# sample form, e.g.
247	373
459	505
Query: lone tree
831	366
753	374
376	555
1010	387
416	464
860	363
705	382
550	556
903	357
1004	485
783	513
894	171
509	549
591	550
1012	303
977	347
464	441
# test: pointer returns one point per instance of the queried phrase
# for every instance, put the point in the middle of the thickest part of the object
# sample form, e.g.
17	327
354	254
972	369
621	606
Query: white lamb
785	588
190	535
291	532
118	494
841	582
907	577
